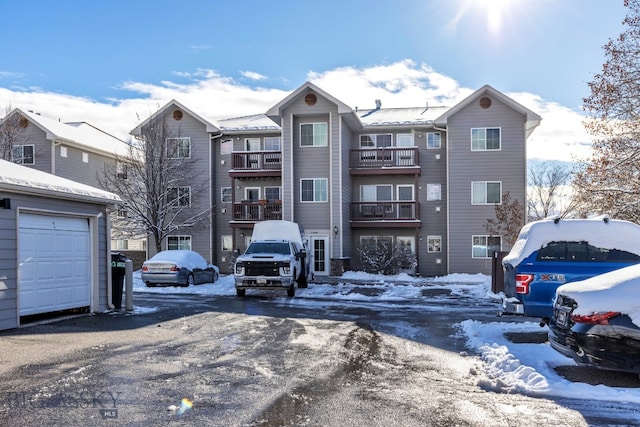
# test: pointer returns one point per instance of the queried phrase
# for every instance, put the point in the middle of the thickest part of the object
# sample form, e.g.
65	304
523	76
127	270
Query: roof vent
378	104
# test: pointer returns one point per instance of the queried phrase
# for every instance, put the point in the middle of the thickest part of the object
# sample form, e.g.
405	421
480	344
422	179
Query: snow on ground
509	367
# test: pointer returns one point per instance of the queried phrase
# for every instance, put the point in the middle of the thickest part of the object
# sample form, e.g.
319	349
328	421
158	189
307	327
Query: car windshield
268	247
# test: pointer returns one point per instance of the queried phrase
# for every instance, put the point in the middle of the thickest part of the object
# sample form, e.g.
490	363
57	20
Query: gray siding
507	165
9	247
32	135
74	168
202	236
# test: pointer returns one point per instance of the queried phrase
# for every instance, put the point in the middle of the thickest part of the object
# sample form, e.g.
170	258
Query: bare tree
609	181
508	221
10	133
157	184
549	192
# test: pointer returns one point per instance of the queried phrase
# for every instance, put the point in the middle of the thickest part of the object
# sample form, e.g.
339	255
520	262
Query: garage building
54	245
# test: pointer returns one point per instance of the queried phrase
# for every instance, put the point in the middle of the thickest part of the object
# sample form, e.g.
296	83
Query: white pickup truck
276	259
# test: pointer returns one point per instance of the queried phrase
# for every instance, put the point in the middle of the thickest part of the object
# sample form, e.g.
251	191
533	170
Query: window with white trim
434	244
373	193
375	140
434	140
179	148
313	190
225	194
227	243
179	242
272	143
434	192
85	157
486	192
377	244
179	197
272	193
23	154
63	151
121	170
485	139
252	144
314	134
485	246
404	140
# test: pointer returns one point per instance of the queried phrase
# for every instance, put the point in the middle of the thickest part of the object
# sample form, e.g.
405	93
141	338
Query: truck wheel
291	291
241	292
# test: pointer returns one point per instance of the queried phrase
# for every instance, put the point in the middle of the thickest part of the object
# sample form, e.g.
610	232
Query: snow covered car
178	268
552	252
596	321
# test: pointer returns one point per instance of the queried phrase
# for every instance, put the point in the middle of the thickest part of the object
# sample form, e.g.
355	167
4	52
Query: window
225	194
313	190
404	140
375	141
485	139
226	146
63	151
485	193
252	144
179	148
23	154
433	140
434	192
120	244
485	246
272	193
179	197
272	143
85	157
314	135
583	252
226	243
121	170
179	242
372	193
405	192
434	244
122	211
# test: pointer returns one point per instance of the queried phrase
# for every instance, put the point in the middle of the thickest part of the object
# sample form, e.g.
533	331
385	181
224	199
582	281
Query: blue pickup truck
552	252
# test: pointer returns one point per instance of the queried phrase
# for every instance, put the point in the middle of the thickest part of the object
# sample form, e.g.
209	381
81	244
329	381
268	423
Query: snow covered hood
263	257
604	233
182	258
618	290
277	230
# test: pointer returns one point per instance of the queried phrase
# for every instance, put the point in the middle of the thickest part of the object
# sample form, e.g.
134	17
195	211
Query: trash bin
117	278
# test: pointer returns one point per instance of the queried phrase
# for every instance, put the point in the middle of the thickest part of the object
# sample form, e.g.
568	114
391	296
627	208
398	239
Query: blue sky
110	55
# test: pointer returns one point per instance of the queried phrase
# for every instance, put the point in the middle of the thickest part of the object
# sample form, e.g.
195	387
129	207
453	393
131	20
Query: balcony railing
392	157
384	210
256	160
257	211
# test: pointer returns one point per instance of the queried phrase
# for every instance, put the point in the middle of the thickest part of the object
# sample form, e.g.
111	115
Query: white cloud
214	96
252	75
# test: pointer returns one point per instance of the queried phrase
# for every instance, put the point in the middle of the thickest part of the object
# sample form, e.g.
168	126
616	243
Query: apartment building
77	151
425	178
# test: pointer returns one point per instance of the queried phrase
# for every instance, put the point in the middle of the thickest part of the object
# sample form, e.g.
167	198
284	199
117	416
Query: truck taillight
522	283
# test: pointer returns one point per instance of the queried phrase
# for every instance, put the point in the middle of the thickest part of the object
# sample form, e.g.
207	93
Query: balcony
256	163
255	211
385	214
385	161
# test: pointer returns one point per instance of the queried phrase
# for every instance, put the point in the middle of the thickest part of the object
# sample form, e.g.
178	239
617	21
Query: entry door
320	249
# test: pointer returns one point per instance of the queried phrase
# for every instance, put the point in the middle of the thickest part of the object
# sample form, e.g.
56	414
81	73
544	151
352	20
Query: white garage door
55	263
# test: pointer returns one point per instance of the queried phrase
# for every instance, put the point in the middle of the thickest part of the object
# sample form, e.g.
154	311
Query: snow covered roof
209	127
25	180
400	116
618	290
601	232
256	122
77	133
